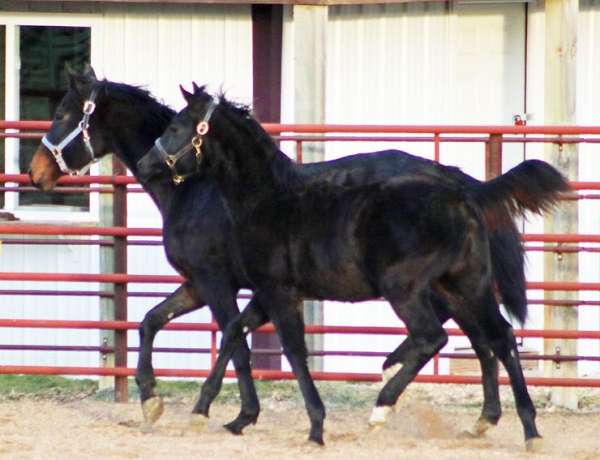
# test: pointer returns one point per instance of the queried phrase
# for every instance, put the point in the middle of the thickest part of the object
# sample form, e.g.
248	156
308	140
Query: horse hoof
316	441
378	416
478	429
198	422
388	373
534	445
152	409
234	427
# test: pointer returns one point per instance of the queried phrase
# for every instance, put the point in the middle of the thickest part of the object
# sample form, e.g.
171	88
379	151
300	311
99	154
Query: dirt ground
426	426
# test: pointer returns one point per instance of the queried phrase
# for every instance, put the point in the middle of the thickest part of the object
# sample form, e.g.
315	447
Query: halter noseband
82	128
195	145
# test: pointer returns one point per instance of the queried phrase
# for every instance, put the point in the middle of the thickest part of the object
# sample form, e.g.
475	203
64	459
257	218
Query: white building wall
48	259
588	101
431	63
419	63
159	48
588	97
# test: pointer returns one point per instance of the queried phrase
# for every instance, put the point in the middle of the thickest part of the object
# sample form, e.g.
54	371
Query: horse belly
331	271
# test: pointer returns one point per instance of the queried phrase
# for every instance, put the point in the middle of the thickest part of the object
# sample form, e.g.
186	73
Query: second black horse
401	239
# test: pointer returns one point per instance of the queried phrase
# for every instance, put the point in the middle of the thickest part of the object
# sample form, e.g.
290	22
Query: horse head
74	140
178	153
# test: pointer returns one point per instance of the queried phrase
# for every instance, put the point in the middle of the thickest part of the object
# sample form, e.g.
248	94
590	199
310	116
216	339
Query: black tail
530	186
508	266
533	185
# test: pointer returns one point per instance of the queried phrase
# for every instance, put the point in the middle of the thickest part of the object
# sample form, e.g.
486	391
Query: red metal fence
492	138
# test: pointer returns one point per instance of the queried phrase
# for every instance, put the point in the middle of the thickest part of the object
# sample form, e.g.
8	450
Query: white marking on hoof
534	445
390	372
152	409
198	422
378	416
478	429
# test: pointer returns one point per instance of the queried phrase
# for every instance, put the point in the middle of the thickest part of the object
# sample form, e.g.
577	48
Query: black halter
195	145
82	128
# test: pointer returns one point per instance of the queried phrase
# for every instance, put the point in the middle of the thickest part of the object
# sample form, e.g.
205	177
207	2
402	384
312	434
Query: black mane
141	100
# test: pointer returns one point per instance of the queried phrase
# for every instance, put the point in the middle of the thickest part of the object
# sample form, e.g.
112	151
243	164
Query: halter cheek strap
82	128
171	160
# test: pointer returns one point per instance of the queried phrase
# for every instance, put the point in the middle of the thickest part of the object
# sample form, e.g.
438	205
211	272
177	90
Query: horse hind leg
502	341
427	337
492	409
395	360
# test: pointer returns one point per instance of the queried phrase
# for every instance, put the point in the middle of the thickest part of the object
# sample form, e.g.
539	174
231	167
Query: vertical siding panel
418	64
588	101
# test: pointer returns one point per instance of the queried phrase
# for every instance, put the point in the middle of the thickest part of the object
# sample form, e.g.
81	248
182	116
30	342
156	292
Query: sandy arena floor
426	427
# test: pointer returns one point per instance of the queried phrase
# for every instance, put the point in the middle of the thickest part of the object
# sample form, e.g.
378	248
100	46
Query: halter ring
89	107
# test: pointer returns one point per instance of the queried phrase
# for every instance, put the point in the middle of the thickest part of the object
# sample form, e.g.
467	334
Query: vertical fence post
267	38
493	156
213	343
120	290
560	107
107	263
309	70
299	151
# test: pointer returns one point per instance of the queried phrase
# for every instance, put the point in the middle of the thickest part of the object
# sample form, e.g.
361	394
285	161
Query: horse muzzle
43	170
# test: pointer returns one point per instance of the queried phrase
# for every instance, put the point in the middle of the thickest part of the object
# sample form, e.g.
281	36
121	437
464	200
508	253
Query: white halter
82	128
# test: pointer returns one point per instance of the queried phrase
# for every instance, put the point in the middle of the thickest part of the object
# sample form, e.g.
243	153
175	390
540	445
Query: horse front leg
178	303
224	312
251	318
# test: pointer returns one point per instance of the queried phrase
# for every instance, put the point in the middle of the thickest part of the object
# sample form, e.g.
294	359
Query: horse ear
195	87
88	72
81	82
69	70
185	93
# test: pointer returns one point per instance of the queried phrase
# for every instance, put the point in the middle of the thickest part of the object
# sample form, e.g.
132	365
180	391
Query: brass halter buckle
171	160
201	130
197	144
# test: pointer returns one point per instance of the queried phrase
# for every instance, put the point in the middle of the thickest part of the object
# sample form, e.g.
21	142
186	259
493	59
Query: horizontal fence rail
300	134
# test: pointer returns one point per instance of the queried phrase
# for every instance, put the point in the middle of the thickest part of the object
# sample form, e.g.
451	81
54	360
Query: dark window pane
44	52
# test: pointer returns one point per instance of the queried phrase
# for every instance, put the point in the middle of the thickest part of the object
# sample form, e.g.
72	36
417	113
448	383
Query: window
43	52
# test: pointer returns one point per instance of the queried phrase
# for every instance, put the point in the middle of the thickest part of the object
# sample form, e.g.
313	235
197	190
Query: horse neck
132	139
256	166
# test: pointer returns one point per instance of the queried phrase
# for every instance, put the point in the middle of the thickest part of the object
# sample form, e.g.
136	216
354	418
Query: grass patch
45	386
334	394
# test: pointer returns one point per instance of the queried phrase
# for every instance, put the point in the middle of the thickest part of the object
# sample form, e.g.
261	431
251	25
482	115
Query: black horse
197	230
401	239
